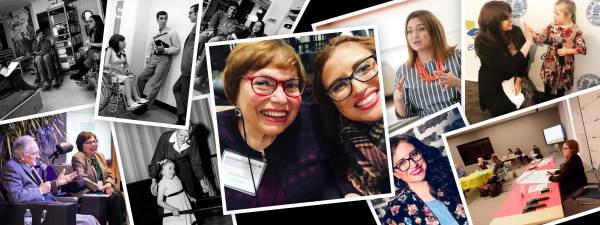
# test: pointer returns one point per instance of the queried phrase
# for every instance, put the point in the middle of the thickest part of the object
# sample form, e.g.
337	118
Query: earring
237	112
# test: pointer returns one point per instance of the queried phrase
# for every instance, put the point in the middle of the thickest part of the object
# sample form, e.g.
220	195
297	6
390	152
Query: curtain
137	144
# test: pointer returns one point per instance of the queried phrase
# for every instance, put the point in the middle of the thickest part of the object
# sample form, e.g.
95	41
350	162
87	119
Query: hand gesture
527	32
192	199
45	187
204	185
175	211
448	80
88	43
399	90
63	179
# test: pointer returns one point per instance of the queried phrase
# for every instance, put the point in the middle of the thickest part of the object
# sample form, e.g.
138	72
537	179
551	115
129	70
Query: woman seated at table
498	167
427	193
265	80
482	164
571	175
91	167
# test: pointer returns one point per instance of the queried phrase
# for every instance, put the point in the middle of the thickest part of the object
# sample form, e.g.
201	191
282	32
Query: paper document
509	90
537	187
534	177
7	71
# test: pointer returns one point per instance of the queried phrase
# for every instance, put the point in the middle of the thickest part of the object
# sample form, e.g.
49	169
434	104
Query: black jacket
571	176
497	66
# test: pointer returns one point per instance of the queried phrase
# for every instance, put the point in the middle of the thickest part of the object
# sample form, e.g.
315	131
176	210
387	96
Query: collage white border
214	118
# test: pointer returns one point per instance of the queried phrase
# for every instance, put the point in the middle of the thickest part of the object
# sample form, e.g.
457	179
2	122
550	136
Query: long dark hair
490	33
98	29
438	174
329	113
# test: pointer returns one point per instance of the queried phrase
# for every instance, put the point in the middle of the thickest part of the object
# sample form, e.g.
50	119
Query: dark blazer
496	67
21	186
571	176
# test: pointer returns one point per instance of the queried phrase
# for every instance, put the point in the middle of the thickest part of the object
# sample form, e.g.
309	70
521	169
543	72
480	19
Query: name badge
237	174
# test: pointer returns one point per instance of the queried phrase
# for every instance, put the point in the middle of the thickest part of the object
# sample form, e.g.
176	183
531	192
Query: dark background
356	212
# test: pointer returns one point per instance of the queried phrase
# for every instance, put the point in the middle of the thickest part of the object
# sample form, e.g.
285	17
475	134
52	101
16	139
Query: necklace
425	76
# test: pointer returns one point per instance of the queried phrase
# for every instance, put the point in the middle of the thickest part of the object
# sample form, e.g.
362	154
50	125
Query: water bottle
28	218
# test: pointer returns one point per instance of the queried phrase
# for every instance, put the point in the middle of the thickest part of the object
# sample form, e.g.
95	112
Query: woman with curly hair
426	189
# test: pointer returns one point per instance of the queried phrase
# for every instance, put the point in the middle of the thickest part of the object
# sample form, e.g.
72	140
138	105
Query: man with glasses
181	88
22	183
163	45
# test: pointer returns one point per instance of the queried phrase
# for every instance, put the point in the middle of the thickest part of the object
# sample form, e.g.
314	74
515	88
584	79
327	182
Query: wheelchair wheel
106	94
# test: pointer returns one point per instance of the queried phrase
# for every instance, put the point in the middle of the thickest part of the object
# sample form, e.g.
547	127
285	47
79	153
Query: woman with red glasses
347	88
270	128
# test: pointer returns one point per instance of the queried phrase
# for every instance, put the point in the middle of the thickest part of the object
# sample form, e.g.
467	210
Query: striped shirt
424	98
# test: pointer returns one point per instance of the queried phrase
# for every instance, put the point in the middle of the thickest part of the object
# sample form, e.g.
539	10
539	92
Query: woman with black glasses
270	127
347	88
429	81
426	191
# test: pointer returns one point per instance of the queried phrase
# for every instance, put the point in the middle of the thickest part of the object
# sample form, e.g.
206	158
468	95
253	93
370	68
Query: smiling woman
271	129
346	86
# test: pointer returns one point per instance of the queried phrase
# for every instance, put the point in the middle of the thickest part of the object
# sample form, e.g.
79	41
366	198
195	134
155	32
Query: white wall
522	132
277	13
538	15
83	120
586	118
139	23
390	24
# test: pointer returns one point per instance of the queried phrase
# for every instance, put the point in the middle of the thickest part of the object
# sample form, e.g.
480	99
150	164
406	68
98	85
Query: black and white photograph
239	19
171	174
48	50
148	59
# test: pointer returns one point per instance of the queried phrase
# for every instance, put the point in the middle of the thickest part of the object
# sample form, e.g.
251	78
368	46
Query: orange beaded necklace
425	76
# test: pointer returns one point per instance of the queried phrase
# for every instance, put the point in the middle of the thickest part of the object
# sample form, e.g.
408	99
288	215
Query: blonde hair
441	49
254	56
569	7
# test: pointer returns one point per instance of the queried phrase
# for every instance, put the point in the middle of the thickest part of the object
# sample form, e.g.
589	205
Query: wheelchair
111	93
90	79
57	68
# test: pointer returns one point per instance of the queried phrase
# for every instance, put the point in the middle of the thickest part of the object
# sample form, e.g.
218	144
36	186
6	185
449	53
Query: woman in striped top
430	80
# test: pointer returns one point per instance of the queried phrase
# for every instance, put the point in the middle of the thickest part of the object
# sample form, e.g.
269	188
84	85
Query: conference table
476	179
511	210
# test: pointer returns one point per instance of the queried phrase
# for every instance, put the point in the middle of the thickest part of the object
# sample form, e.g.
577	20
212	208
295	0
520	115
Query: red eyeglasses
265	85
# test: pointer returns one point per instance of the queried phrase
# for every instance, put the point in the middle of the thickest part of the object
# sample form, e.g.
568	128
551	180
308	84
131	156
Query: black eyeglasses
404	164
365	71
265	85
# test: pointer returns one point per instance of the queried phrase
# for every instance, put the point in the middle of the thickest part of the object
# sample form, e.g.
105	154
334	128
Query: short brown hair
328	110
253	56
82	137
441	50
573	146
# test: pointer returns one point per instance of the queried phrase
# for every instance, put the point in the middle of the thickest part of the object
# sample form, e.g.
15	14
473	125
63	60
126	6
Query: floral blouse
408	209
555	74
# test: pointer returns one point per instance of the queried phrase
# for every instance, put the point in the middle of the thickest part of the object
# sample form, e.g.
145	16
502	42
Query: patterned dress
408	209
555	74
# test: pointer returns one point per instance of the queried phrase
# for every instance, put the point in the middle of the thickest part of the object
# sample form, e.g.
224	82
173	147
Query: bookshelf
66	32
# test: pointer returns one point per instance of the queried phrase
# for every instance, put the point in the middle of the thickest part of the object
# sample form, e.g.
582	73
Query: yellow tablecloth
475	179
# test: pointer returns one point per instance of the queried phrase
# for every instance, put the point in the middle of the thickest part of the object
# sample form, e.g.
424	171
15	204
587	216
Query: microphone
559	45
61	148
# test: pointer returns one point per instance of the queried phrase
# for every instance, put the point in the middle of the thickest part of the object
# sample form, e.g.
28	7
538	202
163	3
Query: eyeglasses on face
91	142
365	71
404	164
265	86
